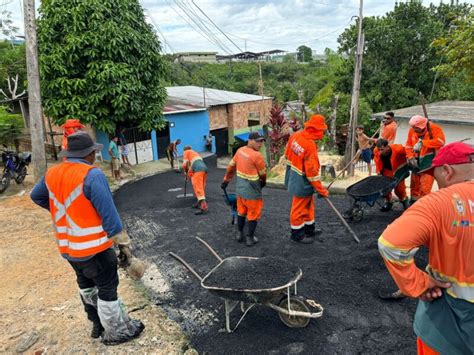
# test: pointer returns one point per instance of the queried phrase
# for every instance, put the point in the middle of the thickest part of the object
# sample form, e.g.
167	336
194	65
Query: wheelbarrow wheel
357	214
297	303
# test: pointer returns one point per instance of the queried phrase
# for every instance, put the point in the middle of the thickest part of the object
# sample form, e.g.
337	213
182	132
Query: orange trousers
420	185
400	190
424	349
198	180
252	209
302	212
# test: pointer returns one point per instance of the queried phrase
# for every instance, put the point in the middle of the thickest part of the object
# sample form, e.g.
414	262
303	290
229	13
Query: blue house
184	121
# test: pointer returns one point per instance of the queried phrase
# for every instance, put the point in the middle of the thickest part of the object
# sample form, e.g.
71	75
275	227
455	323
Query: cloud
255	25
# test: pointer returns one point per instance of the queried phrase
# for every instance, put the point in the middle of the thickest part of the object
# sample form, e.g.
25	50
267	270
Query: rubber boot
251	239
311	231
203	208
97	330
299	236
387	206
240	225
195	205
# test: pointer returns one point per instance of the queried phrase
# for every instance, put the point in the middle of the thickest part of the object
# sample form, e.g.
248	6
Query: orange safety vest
78	226
433	139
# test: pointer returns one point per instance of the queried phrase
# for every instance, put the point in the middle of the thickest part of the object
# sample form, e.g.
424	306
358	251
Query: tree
457	48
12	63
278	133
305	54
100	62
11	126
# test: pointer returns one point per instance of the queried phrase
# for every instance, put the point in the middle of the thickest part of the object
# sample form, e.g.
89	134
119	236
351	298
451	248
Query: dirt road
341	275
40	309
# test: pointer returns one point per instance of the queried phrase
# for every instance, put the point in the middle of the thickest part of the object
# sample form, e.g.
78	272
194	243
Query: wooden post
34	95
332	120
354	111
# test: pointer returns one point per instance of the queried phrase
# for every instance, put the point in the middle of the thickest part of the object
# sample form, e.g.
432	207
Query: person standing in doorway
87	225
251	172
115	158
172	152
122	142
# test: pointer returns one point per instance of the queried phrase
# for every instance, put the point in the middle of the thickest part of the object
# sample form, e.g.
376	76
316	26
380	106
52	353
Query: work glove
323	193
263	183
413	163
224	185
122	240
418	146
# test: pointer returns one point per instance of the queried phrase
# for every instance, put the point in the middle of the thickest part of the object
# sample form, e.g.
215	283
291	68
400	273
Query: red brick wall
239	113
218	117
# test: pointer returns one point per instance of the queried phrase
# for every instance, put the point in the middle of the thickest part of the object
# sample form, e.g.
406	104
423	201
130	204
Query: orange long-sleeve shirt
430	144
389	132
444	222
398	161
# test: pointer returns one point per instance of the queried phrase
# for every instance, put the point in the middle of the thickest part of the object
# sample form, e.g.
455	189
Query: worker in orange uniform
443	221
251	178
423	142
391	161
195	168
70	126
302	178
388	129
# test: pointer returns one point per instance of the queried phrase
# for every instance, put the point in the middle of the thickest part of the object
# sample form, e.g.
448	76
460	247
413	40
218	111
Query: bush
11	126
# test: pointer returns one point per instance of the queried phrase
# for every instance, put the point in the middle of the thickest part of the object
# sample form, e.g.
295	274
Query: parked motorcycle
15	167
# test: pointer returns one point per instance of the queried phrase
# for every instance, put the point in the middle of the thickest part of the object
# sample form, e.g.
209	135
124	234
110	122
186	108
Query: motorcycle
15	167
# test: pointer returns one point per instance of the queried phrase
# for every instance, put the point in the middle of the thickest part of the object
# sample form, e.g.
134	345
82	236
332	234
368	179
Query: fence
139	145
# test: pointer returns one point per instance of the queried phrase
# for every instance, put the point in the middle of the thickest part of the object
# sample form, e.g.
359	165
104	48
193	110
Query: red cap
452	154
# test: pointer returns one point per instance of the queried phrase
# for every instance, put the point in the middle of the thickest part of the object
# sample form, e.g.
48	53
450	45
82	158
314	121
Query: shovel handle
181	260
354	236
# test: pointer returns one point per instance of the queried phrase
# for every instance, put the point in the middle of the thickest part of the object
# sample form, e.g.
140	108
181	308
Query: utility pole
350	146
34	95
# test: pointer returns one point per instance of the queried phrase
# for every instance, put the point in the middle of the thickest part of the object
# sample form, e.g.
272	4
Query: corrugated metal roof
196	95
458	112
179	106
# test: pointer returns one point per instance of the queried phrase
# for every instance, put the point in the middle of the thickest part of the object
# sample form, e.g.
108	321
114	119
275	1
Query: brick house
230	113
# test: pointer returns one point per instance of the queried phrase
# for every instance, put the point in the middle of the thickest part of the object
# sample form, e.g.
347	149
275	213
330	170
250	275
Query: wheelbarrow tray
242	265
382	186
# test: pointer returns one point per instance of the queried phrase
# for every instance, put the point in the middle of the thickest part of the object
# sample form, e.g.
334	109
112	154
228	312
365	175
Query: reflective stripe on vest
74	239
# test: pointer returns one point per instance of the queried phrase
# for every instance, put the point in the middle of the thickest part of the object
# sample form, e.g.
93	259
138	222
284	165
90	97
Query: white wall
452	132
144	152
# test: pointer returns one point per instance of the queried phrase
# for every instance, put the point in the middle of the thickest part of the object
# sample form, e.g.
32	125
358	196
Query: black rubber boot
299	236
251	239
97	330
311	231
406	203
240	225
387	206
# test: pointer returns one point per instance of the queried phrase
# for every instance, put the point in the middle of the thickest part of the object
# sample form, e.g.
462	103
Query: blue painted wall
103	138
190	127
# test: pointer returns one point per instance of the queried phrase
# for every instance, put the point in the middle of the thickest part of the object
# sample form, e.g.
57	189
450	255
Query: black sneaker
97	330
249	241
304	240
313	233
240	237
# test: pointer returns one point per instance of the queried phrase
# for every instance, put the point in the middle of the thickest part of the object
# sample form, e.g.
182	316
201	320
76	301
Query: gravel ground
344	277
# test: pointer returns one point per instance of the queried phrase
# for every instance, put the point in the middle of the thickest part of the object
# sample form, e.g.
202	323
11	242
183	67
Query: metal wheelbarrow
231	201
379	187
294	311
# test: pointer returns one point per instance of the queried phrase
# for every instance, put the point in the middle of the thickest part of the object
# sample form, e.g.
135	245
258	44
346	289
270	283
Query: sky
254	25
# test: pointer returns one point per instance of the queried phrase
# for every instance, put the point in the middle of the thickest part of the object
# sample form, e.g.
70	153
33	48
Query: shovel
354	236
185	188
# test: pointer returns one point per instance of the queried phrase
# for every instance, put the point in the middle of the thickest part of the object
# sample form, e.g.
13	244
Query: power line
192	1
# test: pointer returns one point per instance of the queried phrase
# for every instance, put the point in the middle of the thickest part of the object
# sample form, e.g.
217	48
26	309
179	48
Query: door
163	140
222	141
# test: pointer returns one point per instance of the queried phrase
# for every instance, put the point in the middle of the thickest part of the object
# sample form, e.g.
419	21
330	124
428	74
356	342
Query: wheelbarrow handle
186	265
342	219
210	248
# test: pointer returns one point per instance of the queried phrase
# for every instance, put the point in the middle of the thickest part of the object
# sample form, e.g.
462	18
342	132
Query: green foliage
457	47
12	62
398	58
100	62
11	126
305	54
